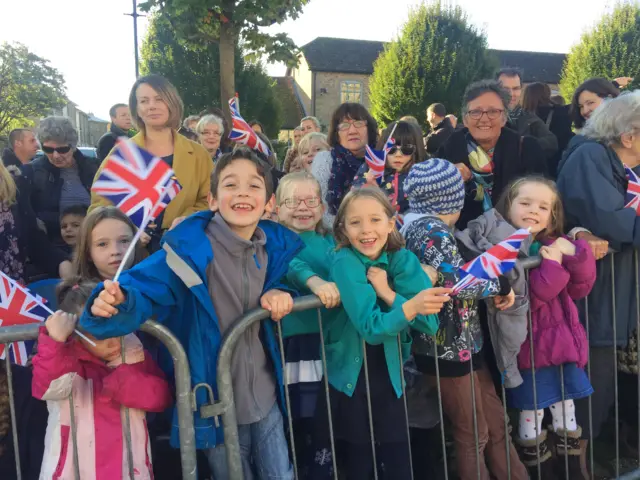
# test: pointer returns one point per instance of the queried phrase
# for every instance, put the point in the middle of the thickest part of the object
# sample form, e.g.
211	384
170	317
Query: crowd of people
382	251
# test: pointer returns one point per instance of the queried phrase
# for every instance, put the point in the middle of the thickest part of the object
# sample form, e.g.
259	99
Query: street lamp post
134	14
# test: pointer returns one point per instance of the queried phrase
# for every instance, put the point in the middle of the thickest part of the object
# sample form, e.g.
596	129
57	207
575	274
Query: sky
91	41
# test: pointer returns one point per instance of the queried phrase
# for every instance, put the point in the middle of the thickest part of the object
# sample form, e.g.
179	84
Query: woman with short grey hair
593	183
210	130
61	178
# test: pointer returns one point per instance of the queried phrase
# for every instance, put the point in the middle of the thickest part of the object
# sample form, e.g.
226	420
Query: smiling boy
214	267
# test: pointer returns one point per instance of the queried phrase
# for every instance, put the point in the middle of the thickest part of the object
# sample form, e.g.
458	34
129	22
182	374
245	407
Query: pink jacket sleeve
546	282
140	385
582	270
54	367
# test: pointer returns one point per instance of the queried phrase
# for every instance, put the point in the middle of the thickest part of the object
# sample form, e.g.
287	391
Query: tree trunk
227	66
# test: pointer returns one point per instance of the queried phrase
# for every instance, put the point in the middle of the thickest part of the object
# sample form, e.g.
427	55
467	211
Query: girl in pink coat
67	370
560	348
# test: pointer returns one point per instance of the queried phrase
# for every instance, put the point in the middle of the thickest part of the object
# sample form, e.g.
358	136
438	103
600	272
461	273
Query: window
351	92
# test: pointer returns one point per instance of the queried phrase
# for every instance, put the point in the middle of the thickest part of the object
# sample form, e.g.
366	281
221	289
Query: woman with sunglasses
62	177
488	155
352	128
407	151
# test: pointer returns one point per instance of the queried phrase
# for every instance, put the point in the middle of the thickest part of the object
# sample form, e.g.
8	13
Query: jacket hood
575	143
9	158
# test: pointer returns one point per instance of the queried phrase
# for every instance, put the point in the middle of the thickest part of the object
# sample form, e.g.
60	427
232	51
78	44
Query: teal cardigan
362	316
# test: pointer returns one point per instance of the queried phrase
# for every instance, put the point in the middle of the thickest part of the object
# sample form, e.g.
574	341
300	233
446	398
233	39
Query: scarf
481	163
343	169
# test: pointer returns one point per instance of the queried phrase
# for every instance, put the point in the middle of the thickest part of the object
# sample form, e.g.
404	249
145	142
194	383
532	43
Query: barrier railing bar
564	424
589	404
474	406
615	364
406	407
635	258
440	409
12	409
285	378
74	437
507	435
126	427
365	364
325	378
225	390
533	381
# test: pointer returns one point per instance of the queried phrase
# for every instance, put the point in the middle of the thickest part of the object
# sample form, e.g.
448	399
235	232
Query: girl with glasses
407	151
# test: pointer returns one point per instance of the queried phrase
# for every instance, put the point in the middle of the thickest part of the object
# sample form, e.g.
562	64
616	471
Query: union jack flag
633	191
496	261
18	306
377	159
242	133
137	182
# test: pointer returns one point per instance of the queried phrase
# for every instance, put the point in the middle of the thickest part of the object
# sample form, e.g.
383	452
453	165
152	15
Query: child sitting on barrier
384	292
85	387
213	268
557	347
436	193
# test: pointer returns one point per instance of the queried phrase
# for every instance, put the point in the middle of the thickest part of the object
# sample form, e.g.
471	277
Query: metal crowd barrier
183	396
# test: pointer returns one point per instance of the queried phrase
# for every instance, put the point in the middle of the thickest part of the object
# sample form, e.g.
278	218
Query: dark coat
9	158
514	157
47	187
559	122
593	184
529	123
31	418
438	136
108	141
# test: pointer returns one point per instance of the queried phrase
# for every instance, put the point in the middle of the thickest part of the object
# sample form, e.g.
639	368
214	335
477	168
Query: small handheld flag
632	197
242	133
377	159
496	261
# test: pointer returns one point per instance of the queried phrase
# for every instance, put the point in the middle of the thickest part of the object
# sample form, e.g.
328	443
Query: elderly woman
488	155
352	128
210	130
156	109
593	185
62	177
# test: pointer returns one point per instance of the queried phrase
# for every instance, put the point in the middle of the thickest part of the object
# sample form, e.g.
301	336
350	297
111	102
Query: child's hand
327	292
427	302
369	178
504	302
565	246
106	302
431	272
378	279
60	325
279	303
599	247
551	253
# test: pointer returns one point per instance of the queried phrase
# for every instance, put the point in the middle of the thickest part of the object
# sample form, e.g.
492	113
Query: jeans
262	445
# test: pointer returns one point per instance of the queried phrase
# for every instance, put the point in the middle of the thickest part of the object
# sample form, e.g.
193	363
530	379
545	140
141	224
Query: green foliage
29	87
611	49
199	23
196	75
437	54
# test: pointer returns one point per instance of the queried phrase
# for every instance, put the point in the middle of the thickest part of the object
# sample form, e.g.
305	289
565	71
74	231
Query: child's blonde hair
83	266
395	241
555	228
7	186
309	138
289	181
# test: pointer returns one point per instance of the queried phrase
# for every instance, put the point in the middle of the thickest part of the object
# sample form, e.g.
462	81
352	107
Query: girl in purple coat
566	274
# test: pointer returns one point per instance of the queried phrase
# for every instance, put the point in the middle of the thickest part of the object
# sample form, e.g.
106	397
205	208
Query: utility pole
134	15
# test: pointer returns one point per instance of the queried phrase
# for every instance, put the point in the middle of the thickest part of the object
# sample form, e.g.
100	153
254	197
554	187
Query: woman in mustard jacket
157	110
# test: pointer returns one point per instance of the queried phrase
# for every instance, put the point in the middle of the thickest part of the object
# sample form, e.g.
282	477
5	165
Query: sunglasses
406	149
60	150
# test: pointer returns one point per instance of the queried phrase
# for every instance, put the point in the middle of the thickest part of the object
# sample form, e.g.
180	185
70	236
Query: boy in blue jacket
212	268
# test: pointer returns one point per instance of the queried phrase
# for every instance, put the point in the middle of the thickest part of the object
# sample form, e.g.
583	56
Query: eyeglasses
407	149
492	114
346	125
60	150
311	202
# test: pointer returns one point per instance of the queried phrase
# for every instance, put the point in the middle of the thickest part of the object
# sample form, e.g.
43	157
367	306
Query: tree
196	75
29	87
228	23
437	54
610	49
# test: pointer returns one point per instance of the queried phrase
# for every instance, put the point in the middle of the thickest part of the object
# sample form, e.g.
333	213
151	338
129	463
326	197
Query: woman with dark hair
536	98
156	109
489	155
588	96
352	128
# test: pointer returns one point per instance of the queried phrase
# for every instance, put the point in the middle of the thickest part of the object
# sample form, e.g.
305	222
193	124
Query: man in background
120	125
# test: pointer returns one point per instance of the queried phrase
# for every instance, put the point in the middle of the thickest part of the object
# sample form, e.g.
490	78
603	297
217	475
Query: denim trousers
263	450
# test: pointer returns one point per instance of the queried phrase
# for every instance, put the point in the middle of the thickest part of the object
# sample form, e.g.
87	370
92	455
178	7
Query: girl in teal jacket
383	291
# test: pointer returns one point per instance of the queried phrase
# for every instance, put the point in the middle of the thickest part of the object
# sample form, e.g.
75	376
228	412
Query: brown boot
529	453
575	452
